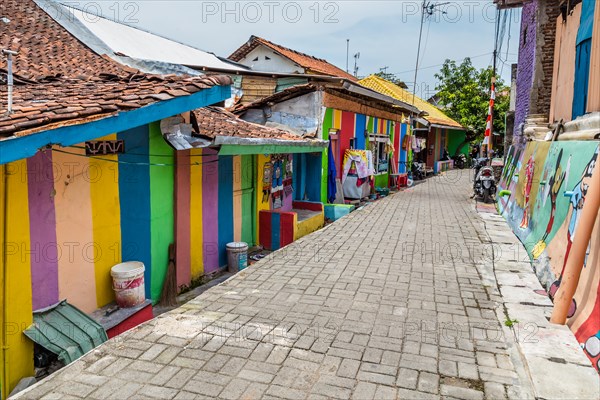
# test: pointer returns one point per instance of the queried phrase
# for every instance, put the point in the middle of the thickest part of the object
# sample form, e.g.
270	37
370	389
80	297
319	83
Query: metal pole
423	7
9	54
347	54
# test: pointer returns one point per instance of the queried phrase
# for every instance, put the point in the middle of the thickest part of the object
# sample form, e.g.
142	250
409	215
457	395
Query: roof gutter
456	128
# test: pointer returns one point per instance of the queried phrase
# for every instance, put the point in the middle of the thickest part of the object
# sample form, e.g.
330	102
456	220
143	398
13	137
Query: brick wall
547	13
536	61
525	68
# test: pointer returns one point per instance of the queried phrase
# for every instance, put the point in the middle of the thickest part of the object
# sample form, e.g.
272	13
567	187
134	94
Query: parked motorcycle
418	173
460	161
484	184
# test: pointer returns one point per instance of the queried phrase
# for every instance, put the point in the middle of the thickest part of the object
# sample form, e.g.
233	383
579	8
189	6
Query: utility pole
383	70
347	54
356	57
427	10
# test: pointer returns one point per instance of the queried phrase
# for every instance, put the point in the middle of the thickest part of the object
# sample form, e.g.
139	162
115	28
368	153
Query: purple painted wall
526	66
42	223
210	207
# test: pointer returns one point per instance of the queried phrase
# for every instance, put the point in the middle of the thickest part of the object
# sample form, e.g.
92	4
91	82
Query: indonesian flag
488	125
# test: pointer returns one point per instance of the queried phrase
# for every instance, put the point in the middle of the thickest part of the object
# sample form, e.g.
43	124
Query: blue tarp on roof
66	331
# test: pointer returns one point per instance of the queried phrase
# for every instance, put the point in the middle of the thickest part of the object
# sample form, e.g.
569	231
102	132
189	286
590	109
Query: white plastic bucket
128	283
237	256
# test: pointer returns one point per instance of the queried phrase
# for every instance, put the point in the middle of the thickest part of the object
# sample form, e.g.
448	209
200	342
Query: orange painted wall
561	106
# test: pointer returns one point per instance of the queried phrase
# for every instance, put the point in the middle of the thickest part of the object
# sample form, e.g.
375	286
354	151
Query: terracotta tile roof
69	101
214	121
436	116
311	64
60	80
45	48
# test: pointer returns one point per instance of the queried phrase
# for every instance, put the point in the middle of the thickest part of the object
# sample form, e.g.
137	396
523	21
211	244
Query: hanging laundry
358	158
331	175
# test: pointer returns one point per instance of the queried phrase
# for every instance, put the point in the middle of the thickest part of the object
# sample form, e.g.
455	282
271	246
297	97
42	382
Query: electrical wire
439	65
136	163
153	155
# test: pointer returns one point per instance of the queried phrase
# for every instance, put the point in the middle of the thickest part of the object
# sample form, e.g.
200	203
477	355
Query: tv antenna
356	57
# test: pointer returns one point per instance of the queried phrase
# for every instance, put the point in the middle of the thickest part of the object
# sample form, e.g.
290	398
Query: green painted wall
248	222
161	208
455	139
327	124
381	180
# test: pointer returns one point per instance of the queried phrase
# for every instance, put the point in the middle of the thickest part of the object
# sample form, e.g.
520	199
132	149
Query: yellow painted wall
260	205
106	219
307	226
196	226
19	313
3	388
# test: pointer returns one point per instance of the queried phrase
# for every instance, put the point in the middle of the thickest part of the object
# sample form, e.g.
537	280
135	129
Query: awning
66	331
237	145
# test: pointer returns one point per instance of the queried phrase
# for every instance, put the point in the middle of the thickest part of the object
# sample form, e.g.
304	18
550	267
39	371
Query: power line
439	65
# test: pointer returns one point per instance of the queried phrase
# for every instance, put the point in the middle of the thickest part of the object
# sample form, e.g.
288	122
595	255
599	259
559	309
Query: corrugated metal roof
66	331
436	116
136	43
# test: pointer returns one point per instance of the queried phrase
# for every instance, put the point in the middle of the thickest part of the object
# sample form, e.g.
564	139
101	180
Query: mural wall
550	181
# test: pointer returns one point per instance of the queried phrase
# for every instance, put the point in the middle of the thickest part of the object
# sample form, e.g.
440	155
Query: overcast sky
385	33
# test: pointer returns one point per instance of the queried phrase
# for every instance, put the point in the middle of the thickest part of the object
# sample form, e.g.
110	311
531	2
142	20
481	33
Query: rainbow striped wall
86	214
354	126
214	206
70	218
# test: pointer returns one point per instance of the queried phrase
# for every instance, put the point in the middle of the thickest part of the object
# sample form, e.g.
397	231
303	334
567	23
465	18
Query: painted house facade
223	188
263	55
349	117
439	131
86	177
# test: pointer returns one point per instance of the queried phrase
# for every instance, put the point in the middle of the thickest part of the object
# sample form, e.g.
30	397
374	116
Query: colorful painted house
241	182
439	131
263	55
86	178
345	114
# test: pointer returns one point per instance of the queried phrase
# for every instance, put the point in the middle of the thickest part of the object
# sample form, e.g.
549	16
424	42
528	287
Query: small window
256	59
267	58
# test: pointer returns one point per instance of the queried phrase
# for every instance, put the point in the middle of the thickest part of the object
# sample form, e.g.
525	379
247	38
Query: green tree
464	95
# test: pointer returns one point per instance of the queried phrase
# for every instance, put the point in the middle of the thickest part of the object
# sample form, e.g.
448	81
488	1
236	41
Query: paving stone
157	392
364	390
460	392
365	308
348	368
428	382
407	378
235	389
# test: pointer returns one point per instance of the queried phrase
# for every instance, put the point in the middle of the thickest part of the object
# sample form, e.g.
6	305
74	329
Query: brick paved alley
385	303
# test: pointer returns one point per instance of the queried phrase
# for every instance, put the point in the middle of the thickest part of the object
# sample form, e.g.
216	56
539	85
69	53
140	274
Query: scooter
460	161
484	184
417	171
